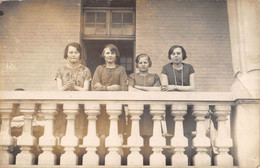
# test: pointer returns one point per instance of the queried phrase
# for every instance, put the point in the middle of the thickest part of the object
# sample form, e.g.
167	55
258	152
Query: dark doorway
94	48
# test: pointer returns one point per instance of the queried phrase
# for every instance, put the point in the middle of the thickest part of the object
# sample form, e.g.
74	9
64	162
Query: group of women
175	76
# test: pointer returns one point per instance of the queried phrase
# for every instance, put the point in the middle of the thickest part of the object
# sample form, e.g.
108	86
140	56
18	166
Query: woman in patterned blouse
73	76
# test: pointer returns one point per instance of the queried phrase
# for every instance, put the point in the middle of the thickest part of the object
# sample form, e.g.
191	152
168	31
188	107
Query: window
105	22
122	23
110	23
95	23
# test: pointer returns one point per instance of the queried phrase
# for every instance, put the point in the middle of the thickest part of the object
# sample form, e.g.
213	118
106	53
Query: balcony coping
120	96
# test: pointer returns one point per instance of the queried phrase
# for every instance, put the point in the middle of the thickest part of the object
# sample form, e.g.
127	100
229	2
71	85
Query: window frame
108	35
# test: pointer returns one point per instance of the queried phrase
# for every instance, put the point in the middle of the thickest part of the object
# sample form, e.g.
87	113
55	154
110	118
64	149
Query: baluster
48	140
201	141
91	141
69	141
135	141
5	134
157	141
179	141
223	140
26	140
113	141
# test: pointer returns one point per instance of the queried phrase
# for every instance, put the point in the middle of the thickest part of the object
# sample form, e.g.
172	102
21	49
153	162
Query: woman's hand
164	88
170	88
70	84
113	88
179	88
140	88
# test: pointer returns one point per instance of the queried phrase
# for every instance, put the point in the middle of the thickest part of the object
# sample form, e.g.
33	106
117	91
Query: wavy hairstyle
184	56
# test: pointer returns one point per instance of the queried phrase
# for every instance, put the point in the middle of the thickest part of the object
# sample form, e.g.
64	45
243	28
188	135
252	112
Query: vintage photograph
129	83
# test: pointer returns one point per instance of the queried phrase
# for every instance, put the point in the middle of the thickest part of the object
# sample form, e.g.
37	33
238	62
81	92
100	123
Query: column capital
114	109
135	109
92	109
70	106
178	111
27	108
48	109
200	111
157	109
221	112
6	107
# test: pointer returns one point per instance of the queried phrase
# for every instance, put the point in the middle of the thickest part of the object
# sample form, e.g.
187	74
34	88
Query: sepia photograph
130	83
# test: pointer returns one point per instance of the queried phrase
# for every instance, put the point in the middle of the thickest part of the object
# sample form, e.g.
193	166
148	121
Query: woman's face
143	64
73	54
176	56
110	57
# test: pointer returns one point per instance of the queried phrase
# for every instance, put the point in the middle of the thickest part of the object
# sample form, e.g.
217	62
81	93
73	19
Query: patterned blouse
80	74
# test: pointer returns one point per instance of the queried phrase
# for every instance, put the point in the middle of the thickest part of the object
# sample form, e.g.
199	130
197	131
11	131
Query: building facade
221	39
151	27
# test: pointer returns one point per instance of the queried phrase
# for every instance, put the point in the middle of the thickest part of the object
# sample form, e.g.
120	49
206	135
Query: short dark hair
76	45
184	56
142	55
112	48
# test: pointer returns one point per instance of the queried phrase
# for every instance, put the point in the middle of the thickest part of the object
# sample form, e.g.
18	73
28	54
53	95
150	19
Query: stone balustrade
195	107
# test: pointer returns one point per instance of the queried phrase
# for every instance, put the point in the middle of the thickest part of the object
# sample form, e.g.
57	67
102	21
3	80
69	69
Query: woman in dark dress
177	76
110	76
143	80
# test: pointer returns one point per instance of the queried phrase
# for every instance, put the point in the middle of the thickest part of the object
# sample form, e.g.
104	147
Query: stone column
179	141
113	141
135	141
245	42
157	141
246	133
223	140
69	141
91	141
201	142
244	20
5	134
26	140
48	140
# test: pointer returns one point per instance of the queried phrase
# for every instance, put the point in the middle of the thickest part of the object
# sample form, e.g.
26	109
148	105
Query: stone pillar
48	140
26	140
135	141
113	141
201	142
179	141
69	141
246	133
244	18
91	141
245	42
5	134
157	141
223	140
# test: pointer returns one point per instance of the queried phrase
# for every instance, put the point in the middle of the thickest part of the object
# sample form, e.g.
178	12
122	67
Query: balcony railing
183	145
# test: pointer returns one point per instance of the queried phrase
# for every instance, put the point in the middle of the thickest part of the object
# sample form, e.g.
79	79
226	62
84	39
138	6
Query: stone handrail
202	103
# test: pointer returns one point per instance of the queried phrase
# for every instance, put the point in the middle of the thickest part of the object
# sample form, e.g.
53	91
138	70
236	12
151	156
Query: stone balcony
197	131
